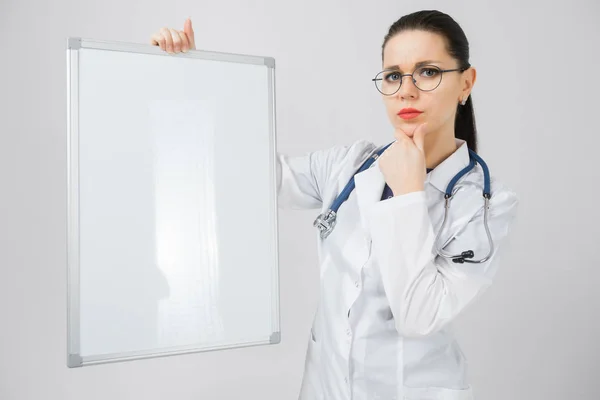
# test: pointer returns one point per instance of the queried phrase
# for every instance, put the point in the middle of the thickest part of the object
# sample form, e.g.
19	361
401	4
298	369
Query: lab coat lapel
369	188
465	202
452	165
350	233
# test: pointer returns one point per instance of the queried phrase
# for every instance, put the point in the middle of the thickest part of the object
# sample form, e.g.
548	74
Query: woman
387	298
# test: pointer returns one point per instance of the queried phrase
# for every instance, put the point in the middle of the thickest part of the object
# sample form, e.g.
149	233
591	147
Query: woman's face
438	106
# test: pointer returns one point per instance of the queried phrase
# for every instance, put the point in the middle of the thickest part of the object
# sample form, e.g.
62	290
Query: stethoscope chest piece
325	222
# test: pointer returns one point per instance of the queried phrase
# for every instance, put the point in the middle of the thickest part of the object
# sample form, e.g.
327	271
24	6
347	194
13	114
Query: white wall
532	336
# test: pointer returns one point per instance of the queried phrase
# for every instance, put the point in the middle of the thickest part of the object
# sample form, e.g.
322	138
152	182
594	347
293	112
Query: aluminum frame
74	44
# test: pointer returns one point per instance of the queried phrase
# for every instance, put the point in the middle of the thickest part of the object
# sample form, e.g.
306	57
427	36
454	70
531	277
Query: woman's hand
403	163
173	41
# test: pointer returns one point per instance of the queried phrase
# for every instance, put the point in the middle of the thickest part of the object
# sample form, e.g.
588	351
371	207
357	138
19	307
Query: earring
464	101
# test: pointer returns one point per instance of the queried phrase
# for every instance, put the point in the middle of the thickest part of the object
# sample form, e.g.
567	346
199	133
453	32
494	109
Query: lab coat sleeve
426	291
301	180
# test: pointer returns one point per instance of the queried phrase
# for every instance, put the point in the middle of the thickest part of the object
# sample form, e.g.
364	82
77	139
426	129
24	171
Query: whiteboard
172	203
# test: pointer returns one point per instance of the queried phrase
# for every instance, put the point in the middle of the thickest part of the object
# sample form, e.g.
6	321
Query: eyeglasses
425	78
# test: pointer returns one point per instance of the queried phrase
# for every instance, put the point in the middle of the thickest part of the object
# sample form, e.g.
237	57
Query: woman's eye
428	72
394	76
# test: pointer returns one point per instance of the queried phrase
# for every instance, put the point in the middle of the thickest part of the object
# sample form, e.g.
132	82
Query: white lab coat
383	327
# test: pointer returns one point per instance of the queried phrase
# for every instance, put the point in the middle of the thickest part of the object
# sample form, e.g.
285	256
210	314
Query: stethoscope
326	221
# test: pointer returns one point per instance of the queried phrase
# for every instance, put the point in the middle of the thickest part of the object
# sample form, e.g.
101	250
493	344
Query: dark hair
457	46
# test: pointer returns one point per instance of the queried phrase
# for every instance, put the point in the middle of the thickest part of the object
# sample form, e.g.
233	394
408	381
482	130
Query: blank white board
172	203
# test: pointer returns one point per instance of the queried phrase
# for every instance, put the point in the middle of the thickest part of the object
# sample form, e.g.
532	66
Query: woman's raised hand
174	41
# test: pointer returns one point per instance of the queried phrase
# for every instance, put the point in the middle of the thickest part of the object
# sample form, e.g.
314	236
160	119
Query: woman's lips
409	115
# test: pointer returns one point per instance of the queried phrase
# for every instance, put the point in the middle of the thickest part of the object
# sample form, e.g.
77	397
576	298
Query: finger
419	136
189	31
158	40
176	40
185	42
168	39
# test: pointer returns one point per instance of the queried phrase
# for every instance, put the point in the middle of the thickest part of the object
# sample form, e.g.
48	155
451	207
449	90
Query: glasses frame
463	69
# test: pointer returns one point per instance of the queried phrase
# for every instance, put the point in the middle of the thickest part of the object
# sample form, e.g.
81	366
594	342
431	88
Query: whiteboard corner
270	62
74	360
275	338
73	43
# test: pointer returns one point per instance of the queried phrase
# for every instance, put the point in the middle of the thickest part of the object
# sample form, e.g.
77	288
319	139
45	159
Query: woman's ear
469	78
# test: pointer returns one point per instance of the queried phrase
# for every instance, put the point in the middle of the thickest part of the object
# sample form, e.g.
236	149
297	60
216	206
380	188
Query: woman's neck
438	148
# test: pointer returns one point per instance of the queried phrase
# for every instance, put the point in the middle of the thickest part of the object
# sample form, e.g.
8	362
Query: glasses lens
426	78
388	82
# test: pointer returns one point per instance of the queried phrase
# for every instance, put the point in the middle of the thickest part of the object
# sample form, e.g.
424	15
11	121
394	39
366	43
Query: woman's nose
407	86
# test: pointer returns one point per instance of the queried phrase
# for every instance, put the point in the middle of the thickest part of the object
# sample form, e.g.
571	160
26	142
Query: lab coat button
356	284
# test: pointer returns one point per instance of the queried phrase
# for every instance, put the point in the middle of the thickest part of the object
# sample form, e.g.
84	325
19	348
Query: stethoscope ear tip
465	254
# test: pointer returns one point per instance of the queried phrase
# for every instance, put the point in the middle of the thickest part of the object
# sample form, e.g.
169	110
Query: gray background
532	336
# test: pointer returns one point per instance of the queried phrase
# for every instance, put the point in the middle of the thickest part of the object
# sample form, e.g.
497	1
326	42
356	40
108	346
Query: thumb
419	136
189	31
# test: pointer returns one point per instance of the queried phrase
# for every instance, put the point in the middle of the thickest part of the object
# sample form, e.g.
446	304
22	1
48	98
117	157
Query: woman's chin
408	129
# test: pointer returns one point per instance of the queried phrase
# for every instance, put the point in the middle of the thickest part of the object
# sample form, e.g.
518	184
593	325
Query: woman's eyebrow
420	63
